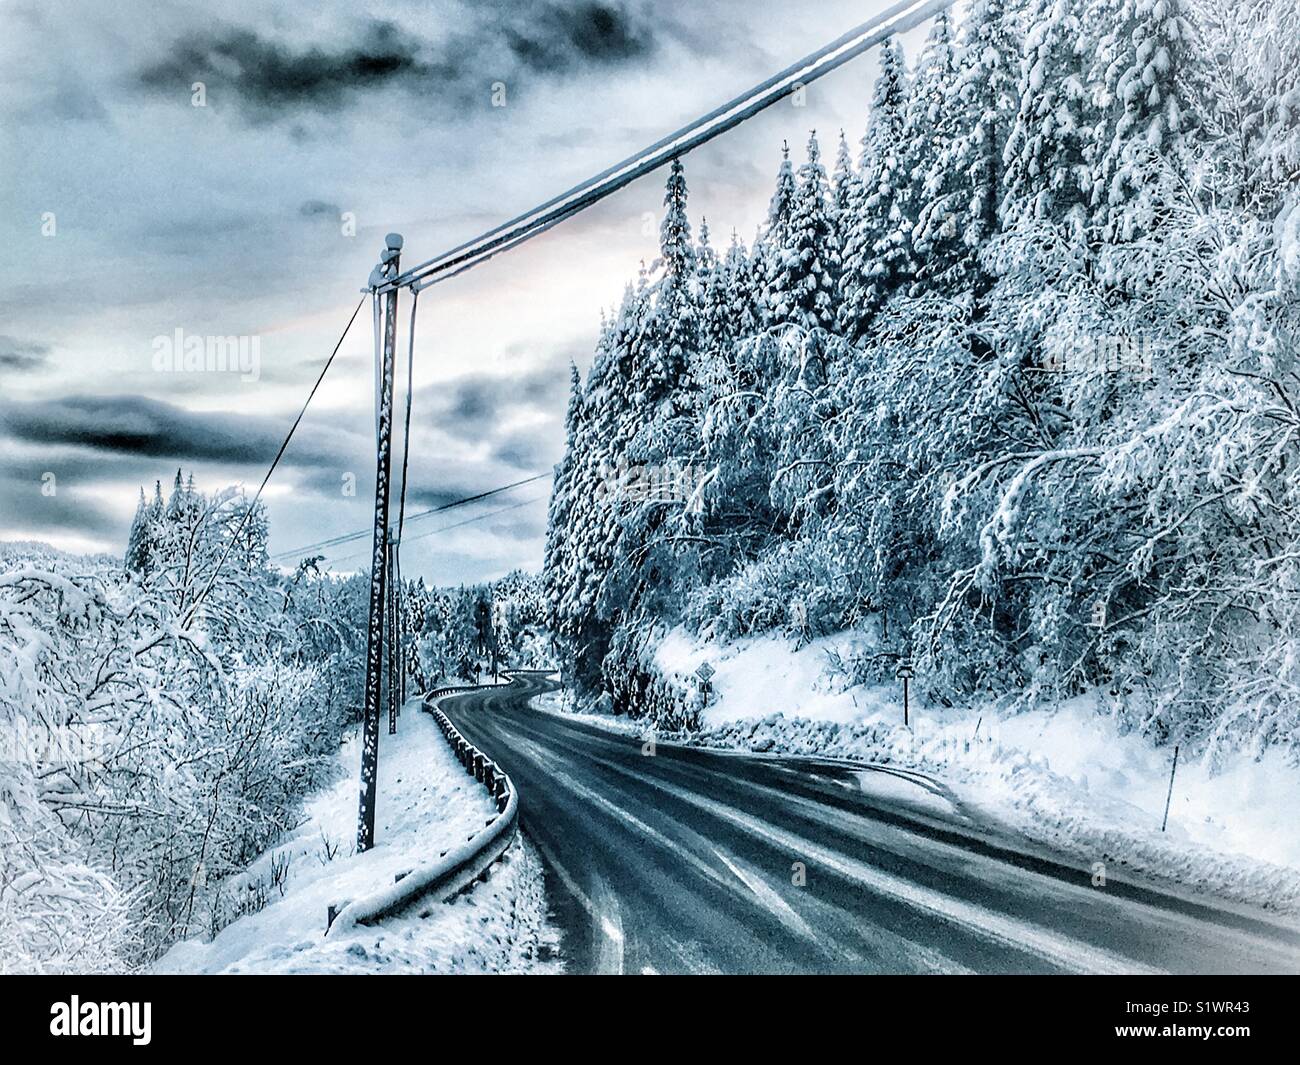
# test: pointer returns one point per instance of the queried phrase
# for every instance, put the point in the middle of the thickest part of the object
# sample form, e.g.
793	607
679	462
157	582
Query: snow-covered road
697	860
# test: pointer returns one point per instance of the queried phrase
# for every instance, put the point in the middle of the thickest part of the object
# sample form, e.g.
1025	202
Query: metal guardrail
459	867
476	763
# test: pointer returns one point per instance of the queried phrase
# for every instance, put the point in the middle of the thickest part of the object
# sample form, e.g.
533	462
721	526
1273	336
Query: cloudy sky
129	213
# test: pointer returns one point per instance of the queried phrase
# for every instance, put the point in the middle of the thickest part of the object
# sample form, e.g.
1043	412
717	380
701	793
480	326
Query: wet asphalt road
691	860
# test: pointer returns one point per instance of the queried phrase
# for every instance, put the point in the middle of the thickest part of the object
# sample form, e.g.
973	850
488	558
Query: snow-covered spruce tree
801	406
591	596
659	550
738	516
805	250
1141	75
706	259
1274	59
717	326
878	234
1047	178
930	128
674	324
770	271
846	195
557	562
141	540
985	97
144	543
962	191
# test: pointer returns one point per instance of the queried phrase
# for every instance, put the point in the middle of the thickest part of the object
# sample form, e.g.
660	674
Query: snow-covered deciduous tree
161	724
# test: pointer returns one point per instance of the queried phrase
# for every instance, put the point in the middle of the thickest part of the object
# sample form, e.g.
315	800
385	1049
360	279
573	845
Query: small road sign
905	674
705	672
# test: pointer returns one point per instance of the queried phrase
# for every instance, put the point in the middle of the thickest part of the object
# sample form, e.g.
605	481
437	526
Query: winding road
684	859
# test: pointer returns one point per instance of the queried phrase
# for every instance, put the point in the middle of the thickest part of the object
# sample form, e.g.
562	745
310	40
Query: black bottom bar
925	1015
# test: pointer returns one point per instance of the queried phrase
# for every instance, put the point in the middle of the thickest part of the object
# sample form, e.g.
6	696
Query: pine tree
177	503
675	336
588	583
931	126
1047	176
802	286
1141	70
736	450
716	324
139	541
846	191
705	257
742	287
770	249
557	562
878	258
1276	60
986	97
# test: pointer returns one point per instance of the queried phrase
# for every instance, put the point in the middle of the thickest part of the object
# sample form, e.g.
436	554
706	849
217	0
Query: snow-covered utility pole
384	355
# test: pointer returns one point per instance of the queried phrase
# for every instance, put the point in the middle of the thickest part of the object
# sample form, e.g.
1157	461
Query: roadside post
704	674
1170	795
905	674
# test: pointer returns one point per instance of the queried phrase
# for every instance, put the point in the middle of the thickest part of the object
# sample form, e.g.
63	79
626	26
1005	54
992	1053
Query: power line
901	17
478	517
348	537
230	543
458	524
406	429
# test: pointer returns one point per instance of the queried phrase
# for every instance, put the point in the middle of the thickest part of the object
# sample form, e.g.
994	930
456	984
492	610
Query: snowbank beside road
1063	776
427	804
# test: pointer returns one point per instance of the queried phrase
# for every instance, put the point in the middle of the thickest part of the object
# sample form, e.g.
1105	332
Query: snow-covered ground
1062	776
427	804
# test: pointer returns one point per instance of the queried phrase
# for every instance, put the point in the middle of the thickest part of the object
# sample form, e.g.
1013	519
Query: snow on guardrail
459	867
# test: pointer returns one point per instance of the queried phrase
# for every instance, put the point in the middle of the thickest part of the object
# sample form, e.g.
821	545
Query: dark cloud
75	102
468	405
327	483
271	79
135	425
535	448
22	356
557	39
